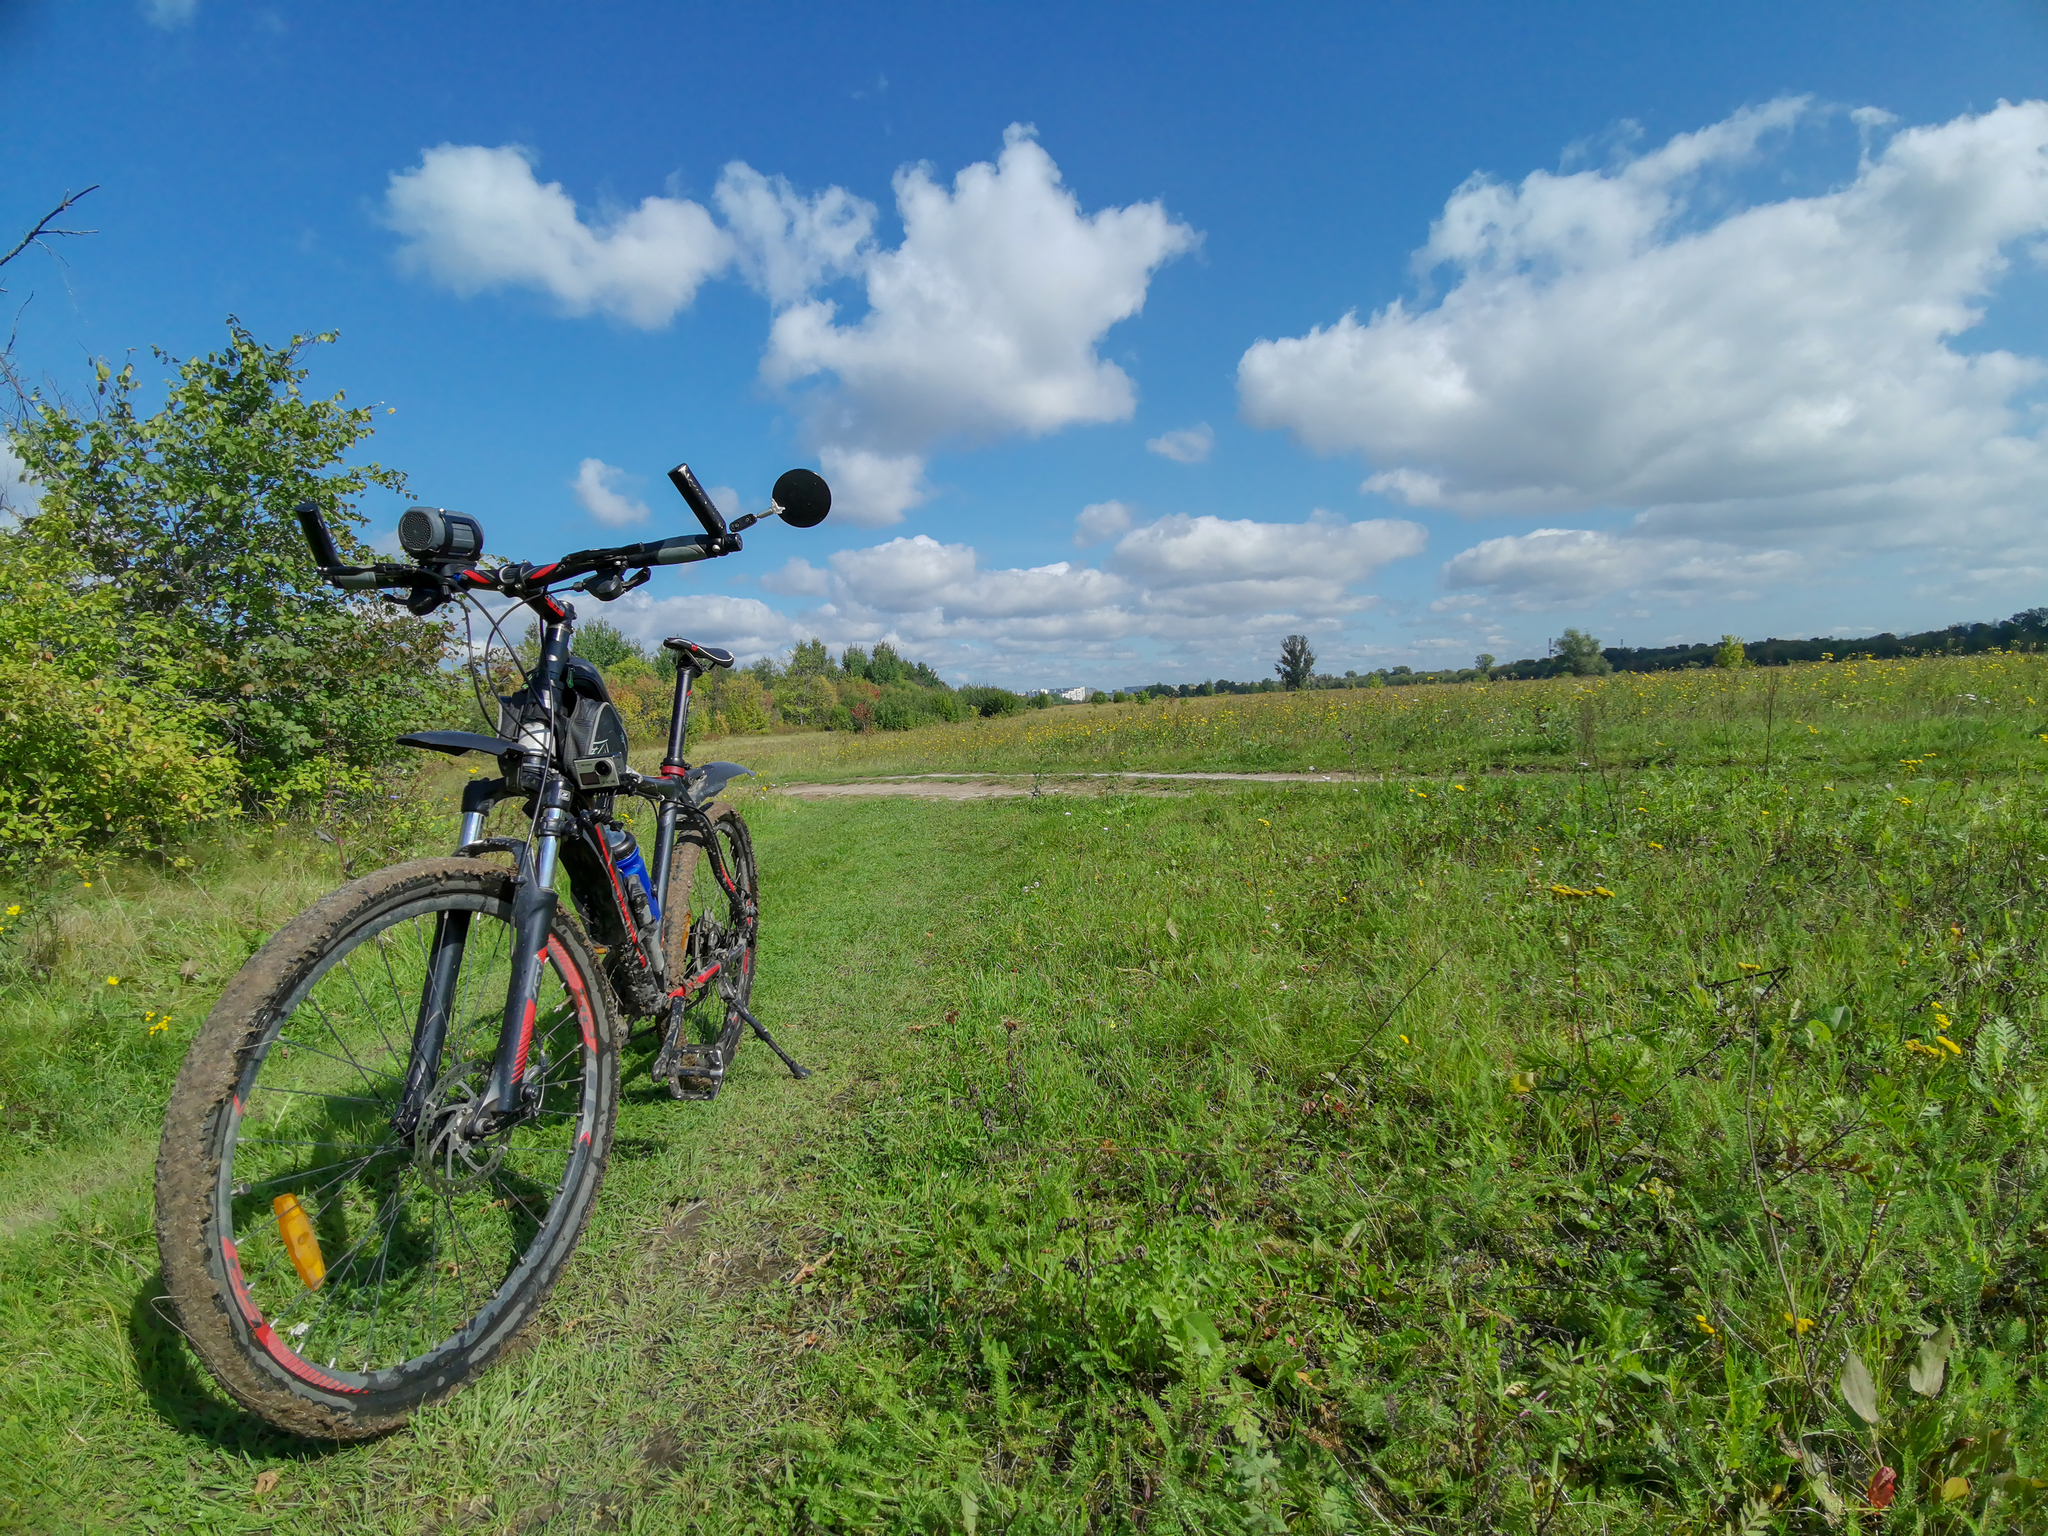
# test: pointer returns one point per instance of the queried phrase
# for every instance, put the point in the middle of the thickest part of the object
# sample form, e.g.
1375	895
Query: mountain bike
387	1139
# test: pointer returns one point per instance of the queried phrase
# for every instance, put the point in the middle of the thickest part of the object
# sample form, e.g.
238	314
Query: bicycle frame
566	832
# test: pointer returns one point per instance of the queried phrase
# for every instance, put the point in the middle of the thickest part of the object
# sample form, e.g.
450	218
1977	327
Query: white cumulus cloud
170	14
1569	567
984	322
1205	586
476	219
1633	338
1101	520
1188	445
597	487
18	494
789	244
869	489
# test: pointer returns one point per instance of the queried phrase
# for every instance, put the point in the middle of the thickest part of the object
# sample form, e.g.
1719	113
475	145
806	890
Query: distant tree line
1577	653
806	688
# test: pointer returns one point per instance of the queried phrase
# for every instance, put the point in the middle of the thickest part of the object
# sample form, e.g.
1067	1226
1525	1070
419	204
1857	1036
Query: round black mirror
804	497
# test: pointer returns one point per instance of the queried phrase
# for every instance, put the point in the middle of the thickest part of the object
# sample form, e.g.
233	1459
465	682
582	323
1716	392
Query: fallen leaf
189	970
1012	1025
1172	930
1884	1487
265	1481
811	1268
1927	1373
953	1016
918	1029
1955	1488
1858	1390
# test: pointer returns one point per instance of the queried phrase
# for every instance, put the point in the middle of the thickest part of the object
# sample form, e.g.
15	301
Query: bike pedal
696	1072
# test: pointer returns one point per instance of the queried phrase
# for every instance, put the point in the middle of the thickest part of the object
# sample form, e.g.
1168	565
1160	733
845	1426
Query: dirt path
996	786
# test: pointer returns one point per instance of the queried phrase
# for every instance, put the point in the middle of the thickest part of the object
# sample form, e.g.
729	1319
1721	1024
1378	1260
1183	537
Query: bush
1731	653
989	702
101	745
903	708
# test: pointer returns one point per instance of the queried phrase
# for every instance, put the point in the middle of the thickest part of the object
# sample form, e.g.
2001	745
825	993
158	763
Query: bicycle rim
421	1248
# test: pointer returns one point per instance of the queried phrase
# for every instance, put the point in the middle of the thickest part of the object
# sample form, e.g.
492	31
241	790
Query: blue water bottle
626	854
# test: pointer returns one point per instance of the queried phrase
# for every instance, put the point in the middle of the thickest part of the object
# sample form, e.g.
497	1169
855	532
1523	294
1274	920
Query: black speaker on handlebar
431	533
804	498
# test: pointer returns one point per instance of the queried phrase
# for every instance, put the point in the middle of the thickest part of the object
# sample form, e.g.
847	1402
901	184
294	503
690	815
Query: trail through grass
1645	1146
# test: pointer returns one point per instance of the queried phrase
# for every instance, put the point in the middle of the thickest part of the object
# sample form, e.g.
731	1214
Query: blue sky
1661	321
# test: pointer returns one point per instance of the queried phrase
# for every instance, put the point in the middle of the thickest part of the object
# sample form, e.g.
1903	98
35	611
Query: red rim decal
573	980
266	1335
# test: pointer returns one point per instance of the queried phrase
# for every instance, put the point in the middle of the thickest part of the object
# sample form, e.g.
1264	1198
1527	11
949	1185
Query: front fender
704	782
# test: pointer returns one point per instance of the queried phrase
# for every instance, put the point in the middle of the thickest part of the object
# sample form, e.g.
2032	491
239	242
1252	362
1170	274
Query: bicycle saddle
703	657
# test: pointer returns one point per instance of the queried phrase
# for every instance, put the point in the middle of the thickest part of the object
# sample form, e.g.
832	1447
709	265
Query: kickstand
769	1040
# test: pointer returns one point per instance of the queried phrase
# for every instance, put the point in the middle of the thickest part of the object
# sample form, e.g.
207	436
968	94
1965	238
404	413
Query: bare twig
45	228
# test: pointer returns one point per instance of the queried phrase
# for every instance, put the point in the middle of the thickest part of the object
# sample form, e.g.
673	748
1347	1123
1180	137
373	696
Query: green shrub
102	747
989	702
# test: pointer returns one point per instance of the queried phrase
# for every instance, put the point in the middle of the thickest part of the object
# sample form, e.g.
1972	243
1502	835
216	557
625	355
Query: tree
1297	663
1483	664
187	516
1580	653
1730	652
809	658
605	646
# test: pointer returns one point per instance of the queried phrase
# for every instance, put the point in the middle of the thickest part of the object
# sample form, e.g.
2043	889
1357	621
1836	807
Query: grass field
1651	1143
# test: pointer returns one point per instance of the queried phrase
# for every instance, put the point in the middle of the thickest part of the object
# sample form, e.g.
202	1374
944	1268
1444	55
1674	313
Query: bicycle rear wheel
335	1269
704	919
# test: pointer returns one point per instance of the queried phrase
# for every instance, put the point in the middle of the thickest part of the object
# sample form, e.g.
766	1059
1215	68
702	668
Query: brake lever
611	586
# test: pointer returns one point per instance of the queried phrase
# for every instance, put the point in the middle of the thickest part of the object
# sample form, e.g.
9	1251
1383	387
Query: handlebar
434	581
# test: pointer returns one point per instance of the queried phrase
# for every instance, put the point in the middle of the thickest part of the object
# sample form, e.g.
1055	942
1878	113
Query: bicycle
388	1137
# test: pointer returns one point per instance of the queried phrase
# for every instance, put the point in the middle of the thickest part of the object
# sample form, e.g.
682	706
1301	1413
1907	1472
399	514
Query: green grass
1305	1157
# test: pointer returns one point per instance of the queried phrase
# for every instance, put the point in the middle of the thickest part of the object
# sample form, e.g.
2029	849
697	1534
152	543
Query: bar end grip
699	503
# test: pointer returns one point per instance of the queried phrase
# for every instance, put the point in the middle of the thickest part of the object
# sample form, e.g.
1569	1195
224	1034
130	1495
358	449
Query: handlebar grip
318	539
680	550
701	504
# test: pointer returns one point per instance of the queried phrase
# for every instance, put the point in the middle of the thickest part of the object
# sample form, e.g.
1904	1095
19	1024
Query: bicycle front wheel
338	1263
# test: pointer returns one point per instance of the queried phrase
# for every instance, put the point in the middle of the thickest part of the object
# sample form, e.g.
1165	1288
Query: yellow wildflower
1800	1325
15	910
113	981
1705	1326
1658	846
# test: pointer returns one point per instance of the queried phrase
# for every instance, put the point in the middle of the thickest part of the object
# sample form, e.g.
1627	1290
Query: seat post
673	767
679	718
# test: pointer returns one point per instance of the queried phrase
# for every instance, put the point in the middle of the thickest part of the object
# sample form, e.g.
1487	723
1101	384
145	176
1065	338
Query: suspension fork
444	968
534	900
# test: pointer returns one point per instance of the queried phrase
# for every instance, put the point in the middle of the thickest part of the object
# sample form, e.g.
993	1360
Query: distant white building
1071	695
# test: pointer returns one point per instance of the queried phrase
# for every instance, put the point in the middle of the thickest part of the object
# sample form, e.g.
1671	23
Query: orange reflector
296	1228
